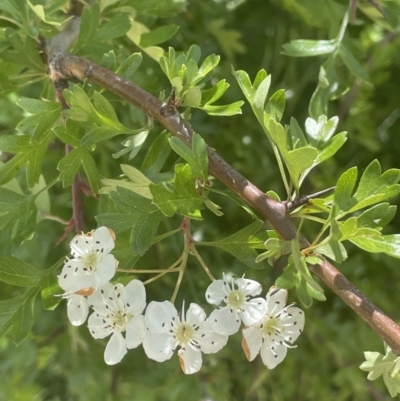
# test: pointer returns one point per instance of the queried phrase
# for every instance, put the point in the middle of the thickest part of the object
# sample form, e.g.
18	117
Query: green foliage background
61	362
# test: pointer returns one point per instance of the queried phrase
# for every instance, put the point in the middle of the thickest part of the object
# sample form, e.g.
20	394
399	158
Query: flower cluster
270	327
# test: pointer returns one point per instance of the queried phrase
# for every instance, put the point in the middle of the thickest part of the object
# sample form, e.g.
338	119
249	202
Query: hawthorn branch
275	213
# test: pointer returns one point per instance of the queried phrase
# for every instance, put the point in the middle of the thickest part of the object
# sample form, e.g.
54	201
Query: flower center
271	326
120	319
184	333
90	262
236	299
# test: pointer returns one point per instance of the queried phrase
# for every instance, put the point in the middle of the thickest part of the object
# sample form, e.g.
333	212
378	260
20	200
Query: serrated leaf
28	153
17	220
143	232
309	48
186	199
138	183
22	320
71	133
241	245
389	244
40	12
376	187
16	272
17	313
70	164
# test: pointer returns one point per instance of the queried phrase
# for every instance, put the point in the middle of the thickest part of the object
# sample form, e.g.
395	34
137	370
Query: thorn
290	206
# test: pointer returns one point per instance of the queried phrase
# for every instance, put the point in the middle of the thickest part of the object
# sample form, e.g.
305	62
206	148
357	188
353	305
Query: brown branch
275	213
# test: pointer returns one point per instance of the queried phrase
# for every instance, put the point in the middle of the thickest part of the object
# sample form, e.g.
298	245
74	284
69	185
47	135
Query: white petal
135	331
114	299
190	360
73	278
105	270
195	314
249	287
97	326
77	309
251	343
216	291
158	347
209	341
276	300
253	311
272	354
225	321
97	299
115	349
80	245
135	297
159	316
103	239
293	323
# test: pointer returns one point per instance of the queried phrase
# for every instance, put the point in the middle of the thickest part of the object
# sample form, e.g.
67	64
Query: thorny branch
65	67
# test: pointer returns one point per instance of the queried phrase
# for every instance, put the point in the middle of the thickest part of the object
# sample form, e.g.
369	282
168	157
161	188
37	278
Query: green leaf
376	187
26	51
308	48
28	153
260	95
71	133
16	272
241	244
45	115
143	232
389	244
213	94
138	183
22	320
89	26
70	164
298	160
383	365
322	130
344	189
223	110
40	12
156	156
17	220
158	35
352	64
116	27
17	313
186	199
197	157
275	106
135	214
101	112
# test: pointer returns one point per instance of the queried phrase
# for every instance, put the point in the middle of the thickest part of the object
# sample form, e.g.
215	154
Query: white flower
92	264
118	309
276	332
192	333
226	320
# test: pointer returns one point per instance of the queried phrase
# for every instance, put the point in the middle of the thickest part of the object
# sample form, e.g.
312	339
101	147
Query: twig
72	67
